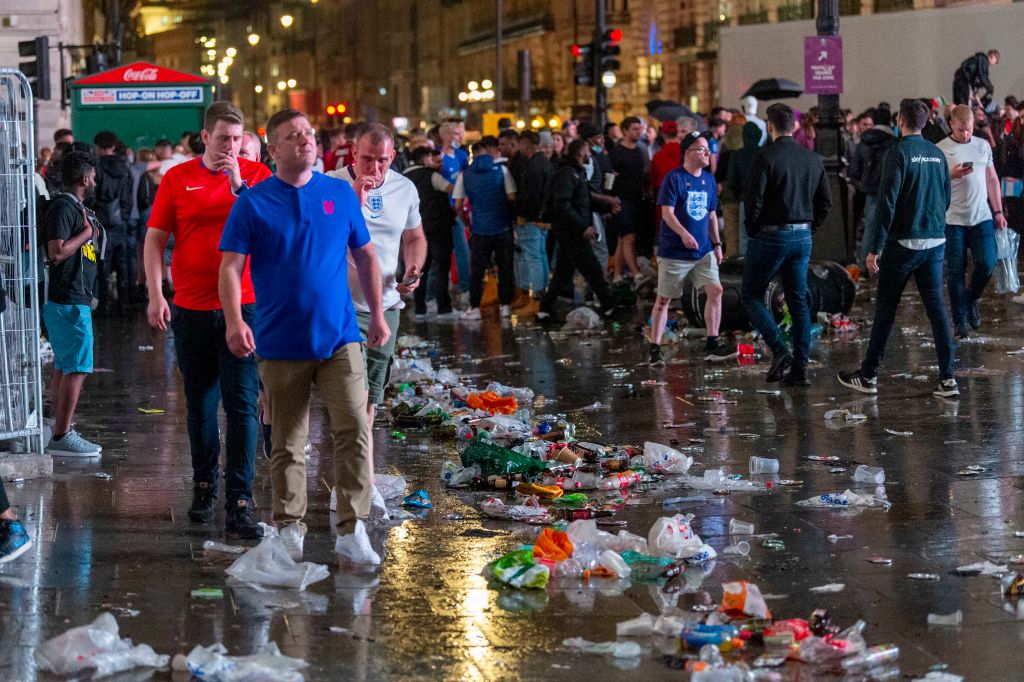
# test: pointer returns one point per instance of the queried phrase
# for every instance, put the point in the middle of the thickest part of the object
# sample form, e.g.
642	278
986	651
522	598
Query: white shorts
672	274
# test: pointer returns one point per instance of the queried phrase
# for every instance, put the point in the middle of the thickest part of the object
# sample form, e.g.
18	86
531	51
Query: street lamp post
830	243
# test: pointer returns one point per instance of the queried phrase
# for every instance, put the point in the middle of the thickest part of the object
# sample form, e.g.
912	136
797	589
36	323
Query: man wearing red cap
668	158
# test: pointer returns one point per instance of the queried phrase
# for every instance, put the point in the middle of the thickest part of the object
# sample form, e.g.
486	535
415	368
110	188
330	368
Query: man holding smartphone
391	207
975	213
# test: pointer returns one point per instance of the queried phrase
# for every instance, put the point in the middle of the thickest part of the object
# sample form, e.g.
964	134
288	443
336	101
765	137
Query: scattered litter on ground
893	432
96	647
211	546
982	568
208	593
147	410
845	416
954	619
614	649
830	588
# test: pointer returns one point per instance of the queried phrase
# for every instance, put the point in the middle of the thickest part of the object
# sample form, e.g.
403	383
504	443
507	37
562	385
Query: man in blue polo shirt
296	229
689	246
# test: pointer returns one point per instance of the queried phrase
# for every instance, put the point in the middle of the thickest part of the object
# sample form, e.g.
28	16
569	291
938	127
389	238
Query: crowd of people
287	260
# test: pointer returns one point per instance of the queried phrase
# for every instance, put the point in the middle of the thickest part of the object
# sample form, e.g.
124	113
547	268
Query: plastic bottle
493	459
872	656
587	480
617	481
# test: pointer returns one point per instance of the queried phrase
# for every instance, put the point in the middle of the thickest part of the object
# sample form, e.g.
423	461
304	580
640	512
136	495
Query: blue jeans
784	253
460	246
981	240
897	265
531	258
870	229
212	373
744	239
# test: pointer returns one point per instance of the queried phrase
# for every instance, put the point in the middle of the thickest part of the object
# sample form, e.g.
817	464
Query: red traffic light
575	50
330	110
340	108
615	35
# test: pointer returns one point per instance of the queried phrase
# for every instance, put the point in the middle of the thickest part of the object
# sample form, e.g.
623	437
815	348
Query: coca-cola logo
140	75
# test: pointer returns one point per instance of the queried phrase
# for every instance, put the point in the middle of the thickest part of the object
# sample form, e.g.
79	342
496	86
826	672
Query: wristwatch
715	245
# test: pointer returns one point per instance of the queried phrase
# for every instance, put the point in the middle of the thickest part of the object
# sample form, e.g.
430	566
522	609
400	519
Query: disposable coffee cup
763	465
609	181
737	527
866	474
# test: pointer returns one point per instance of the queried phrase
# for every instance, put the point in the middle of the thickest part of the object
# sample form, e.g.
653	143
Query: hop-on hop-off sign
140	95
823	65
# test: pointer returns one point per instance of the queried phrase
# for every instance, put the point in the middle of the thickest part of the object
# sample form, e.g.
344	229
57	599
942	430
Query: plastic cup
714	476
866	474
764	465
955	619
737	527
741	548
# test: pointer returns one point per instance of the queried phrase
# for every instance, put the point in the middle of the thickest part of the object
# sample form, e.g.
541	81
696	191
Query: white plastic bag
501	427
390	487
673	537
212	663
844	500
664	460
96	646
615	649
269	565
1006	278
582	318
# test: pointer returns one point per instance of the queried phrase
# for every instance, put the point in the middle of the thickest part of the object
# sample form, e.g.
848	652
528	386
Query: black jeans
436	271
5	504
574	253
481	249
117	260
211	374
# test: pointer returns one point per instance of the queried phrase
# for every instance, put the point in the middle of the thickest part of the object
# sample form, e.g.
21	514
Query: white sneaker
431	307
292	538
378	510
506	311
470	314
73	445
356	546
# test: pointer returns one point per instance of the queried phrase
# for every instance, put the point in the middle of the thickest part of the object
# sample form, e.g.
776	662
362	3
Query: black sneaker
655	358
947	389
546	318
719	353
960	332
857	382
974	315
796	378
242	523
780	363
204	496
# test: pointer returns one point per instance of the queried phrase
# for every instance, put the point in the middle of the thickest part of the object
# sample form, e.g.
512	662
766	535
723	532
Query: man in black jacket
786	196
603	204
909	241
866	170
573	228
113	206
532	186
438	221
973	74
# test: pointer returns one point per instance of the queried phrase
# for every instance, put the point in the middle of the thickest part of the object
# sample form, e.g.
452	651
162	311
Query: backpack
145	194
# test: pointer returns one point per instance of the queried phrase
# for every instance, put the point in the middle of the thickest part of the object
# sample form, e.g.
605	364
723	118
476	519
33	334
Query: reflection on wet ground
126	543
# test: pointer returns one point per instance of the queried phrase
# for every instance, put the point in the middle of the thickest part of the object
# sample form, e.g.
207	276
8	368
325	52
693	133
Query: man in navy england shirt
688	245
296	229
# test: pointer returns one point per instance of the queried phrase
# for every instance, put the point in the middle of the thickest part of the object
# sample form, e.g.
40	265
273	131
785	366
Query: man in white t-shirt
391	207
975	212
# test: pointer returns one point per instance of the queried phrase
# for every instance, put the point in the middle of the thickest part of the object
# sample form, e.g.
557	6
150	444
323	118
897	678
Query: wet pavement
126	543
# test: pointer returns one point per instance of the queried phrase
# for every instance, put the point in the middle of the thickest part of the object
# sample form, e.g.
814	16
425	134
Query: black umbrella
670	110
774	88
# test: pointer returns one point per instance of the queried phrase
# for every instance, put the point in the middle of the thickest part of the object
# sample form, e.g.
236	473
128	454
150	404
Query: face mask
596	149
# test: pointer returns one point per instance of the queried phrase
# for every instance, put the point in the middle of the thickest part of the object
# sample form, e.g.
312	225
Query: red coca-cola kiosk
141	102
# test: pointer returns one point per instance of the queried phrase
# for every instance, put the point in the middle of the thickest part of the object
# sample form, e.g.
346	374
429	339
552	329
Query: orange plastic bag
489	401
490	294
546	492
553	545
743	598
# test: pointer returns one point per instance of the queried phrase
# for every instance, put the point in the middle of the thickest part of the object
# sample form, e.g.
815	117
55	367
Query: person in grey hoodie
909	241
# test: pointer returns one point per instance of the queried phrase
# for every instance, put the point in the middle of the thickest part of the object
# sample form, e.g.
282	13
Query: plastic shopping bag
97	647
1006	278
269	565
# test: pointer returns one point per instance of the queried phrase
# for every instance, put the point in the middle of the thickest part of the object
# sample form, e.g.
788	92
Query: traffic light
608	53
336	109
38	70
583	64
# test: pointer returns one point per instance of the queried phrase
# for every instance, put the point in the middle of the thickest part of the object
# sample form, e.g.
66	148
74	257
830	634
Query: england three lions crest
697	205
376	204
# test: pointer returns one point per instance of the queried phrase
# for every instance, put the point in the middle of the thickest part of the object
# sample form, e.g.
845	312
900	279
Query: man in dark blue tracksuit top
910	241
490	190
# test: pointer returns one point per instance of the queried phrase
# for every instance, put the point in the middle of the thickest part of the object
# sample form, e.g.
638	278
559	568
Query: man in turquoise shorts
74	242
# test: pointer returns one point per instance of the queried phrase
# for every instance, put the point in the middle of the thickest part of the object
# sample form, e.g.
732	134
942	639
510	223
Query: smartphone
968	164
412	280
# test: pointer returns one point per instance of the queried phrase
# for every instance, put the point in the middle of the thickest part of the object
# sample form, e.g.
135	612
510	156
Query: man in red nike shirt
192	203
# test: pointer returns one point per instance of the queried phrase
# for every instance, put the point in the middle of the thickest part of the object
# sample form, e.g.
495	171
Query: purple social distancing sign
823	65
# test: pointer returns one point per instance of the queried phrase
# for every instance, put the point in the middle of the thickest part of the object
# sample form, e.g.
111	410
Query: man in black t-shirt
73	248
631	165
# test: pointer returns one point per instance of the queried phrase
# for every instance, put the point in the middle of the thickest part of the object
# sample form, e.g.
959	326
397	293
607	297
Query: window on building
655	73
